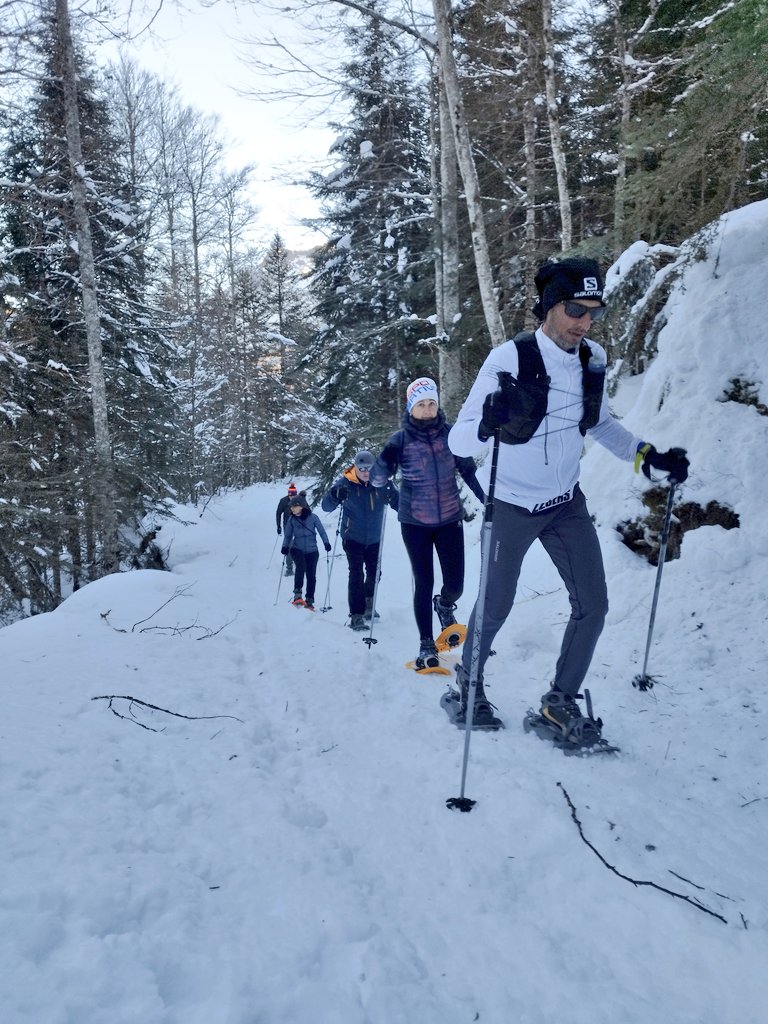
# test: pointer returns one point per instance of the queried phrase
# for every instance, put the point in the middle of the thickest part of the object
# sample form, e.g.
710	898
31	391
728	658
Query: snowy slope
284	855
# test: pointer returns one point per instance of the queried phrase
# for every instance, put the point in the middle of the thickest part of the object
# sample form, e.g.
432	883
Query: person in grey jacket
554	398
300	540
360	528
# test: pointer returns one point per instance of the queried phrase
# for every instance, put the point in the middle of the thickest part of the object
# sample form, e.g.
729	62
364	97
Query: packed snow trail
295	861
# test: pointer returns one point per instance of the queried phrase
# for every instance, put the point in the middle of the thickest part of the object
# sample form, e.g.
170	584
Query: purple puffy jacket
429	494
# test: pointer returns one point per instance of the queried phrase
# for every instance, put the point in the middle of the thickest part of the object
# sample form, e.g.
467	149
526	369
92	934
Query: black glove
674	463
327	547
342	492
519	407
496	412
283	551
279	531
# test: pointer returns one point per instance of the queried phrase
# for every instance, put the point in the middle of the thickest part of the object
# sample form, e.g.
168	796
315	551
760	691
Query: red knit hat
291	488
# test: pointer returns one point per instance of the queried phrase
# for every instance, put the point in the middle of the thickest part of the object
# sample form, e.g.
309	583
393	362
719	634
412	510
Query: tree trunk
445	192
531	188
621	149
558	154
450	80
103	482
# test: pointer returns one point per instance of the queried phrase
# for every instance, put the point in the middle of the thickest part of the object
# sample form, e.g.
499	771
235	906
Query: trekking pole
370	639
274	549
329	565
280	581
644	681
461	802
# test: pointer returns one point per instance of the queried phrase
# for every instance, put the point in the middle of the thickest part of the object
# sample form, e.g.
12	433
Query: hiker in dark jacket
430	513
360	528
282	513
301	530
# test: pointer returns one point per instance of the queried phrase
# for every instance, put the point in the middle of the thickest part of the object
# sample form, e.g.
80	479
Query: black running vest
534	382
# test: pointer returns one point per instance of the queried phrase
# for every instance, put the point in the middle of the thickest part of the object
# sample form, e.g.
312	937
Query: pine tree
695	132
373	280
51	534
289	327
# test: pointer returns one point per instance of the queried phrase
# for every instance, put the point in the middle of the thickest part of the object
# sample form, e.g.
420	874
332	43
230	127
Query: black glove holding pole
673	462
496	412
517	406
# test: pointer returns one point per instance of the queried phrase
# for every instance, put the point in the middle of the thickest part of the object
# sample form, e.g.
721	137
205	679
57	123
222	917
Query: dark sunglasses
577	311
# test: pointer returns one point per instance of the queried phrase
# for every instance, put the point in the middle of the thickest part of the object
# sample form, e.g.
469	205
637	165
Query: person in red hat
283	511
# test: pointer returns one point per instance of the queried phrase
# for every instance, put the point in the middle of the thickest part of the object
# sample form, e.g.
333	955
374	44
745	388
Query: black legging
448	542
306	562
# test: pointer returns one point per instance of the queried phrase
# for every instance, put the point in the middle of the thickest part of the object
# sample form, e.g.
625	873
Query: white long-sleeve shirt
543	472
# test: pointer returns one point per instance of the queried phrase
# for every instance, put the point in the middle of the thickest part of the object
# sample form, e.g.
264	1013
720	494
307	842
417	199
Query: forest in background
150	352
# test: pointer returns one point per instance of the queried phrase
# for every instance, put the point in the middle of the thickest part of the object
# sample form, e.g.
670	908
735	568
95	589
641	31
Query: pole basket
460	803
643	682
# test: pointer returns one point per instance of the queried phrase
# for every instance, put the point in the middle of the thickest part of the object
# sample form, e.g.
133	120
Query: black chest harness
534	382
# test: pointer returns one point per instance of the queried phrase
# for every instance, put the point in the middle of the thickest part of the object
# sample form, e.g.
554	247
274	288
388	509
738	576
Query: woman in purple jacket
430	513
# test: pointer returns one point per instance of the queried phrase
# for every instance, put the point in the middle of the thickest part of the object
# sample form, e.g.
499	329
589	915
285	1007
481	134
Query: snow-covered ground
282	853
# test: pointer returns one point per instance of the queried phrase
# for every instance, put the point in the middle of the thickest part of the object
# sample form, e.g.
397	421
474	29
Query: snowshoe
426	670
427	656
454	703
298	600
483	717
358	623
452	636
309	605
561	721
427	659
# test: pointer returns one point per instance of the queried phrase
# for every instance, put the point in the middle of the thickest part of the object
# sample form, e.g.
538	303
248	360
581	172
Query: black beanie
574	278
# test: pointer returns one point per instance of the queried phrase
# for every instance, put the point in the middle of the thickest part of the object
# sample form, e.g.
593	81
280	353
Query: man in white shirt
554	398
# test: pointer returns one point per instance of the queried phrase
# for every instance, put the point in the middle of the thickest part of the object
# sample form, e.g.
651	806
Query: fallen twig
683	879
152	707
206	631
634	881
178	592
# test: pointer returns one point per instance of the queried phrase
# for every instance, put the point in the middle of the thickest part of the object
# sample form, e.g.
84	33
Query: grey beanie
364	460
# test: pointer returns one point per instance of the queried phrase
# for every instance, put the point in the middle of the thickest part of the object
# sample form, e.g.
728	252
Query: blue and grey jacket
364	507
301	531
429	494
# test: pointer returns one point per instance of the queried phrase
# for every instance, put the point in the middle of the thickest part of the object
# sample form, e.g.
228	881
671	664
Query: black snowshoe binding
444	612
454	703
358	623
561	721
427	656
449	637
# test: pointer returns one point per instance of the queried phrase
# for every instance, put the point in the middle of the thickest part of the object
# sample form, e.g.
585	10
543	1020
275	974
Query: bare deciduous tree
103	484
555	134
